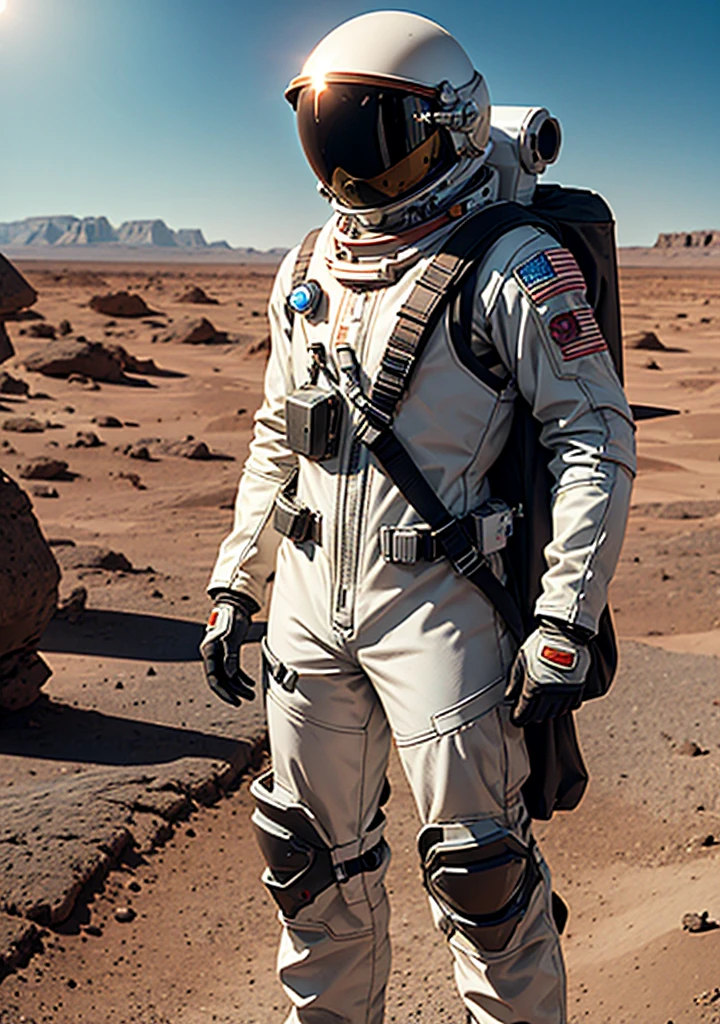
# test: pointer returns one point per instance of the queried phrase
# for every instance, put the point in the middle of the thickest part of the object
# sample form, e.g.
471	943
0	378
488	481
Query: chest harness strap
416	321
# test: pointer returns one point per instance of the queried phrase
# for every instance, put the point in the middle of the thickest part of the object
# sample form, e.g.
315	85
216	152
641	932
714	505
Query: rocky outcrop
35	230
191	238
707	239
90	358
29	576
197	332
197	296
146	232
88	231
120	304
15	292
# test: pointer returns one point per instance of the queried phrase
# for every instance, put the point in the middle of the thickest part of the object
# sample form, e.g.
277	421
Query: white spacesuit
372	637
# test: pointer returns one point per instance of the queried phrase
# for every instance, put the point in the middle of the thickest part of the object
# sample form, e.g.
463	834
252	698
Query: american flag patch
549	273
577	333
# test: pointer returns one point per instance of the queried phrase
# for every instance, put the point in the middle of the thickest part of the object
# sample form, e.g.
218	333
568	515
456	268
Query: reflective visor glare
370	145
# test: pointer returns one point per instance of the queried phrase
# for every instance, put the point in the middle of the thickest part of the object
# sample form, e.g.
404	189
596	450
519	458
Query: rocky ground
129	874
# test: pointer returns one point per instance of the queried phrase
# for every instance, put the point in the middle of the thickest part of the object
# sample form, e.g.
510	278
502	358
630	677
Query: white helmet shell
404	47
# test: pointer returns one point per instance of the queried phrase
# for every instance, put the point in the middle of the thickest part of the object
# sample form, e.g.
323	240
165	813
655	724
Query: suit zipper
352	481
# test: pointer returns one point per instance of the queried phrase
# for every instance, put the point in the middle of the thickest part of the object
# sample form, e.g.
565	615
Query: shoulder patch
577	334
549	273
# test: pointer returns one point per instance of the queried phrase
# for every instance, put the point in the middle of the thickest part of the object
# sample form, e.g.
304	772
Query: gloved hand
226	631
547	676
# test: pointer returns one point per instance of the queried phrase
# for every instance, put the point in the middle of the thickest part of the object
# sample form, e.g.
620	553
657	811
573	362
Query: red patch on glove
563	659
213	618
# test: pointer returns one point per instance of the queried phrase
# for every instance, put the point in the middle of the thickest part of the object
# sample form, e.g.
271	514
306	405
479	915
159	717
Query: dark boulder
29	577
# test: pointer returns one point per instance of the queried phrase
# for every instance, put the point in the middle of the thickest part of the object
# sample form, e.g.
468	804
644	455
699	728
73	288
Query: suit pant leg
329	742
439	670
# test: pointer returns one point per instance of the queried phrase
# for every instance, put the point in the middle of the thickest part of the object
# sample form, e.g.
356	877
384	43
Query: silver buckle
399	544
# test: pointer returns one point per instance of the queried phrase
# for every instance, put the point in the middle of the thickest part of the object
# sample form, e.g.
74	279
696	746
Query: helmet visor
369	144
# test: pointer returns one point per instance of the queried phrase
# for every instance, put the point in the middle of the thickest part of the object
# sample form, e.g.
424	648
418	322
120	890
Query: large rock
120	304
197	332
89	358
15	292
197	296
29	577
6	348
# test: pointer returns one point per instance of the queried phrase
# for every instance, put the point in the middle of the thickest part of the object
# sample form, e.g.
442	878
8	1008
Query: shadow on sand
57	732
132	635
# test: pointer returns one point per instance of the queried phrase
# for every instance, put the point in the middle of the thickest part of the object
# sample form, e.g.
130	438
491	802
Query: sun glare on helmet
319	81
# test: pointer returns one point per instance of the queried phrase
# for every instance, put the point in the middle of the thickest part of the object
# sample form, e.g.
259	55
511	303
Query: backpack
582	222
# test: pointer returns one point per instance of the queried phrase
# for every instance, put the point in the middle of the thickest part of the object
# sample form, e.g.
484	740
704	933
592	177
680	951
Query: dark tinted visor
369	144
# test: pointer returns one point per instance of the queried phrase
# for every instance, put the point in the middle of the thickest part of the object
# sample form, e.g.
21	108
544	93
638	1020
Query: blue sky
174	108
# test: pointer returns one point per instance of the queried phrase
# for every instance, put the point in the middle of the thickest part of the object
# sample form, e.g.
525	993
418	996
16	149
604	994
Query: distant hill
95	238
707	239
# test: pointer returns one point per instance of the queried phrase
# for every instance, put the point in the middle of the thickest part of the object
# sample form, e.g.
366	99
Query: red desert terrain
180	931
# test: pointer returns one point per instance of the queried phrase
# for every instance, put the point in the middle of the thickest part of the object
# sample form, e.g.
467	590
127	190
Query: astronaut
372	636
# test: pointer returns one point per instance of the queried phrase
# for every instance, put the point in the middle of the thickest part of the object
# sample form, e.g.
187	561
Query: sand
631	861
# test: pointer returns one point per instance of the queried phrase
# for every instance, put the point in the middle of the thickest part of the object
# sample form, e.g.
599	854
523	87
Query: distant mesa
67	235
707	239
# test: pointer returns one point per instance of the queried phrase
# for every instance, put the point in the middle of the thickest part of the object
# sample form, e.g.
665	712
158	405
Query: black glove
226	631
547	676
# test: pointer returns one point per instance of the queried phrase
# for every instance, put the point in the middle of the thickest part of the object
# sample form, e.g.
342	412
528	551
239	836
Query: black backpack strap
421	312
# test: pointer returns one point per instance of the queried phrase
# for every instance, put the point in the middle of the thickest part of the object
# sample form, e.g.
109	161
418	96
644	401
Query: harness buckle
404	545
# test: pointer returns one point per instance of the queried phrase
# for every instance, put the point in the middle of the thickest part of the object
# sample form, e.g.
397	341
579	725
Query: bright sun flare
3	4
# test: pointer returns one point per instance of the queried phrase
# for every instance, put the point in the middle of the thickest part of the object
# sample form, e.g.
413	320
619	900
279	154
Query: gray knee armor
483	878
299	857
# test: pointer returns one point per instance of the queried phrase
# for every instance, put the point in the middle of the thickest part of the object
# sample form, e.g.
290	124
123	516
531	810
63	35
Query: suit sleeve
247	555
534	311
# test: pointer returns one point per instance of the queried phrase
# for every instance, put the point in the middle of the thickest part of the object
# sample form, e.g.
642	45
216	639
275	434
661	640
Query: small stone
138	451
43	468
697	922
190	833
42	330
23	425
134	479
124	914
87	439
707	998
91	929
151	671
157	593
72	606
691	749
44	491
106	421
65	327
133	886
10	385
119	685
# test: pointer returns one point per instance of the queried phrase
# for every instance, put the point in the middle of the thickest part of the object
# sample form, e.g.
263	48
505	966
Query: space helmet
389	110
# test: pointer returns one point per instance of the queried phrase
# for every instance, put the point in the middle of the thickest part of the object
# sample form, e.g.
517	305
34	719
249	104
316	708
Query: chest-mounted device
305	298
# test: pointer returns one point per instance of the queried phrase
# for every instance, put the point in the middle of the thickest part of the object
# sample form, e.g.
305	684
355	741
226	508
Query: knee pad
299	858
482	877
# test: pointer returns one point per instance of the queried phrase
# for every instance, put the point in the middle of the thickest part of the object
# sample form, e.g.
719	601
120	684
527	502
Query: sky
175	109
